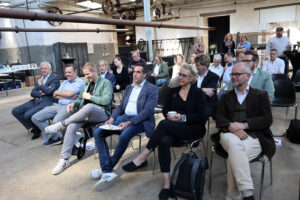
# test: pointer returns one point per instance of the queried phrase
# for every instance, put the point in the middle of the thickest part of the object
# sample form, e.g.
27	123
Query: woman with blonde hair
185	113
228	44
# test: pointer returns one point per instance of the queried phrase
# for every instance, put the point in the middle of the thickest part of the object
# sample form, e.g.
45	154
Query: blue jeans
108	162
161	81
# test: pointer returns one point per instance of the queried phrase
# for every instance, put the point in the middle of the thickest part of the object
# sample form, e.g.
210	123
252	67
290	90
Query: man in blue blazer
42	95
104	73
134	115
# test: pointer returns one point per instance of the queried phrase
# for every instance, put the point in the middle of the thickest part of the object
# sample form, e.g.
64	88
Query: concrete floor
26	166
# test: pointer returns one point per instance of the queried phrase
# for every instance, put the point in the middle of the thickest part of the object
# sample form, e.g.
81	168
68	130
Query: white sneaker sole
106	184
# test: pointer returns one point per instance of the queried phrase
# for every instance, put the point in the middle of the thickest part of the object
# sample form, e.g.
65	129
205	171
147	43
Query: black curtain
222	28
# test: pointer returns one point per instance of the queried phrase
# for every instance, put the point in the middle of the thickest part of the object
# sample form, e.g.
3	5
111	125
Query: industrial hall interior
149	99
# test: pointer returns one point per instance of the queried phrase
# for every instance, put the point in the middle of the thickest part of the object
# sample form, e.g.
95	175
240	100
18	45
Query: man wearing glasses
244	117
259	79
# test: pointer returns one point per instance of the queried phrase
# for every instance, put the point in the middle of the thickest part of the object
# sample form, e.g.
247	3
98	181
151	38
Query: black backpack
189	173
293	132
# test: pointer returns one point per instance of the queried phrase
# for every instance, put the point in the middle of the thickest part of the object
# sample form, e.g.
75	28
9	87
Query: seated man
226	75
42	95
134	115
244	116
104	73
216	66
93	105
274	65
259	79
207	81
66	93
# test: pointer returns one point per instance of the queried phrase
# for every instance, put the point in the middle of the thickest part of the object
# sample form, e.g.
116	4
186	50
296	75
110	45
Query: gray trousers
57	112
88	113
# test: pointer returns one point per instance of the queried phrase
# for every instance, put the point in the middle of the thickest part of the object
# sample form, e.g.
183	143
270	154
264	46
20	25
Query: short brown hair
90	66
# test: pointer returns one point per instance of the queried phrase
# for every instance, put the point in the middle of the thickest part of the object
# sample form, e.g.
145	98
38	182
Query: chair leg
207	132
204	148
140	143
225	165
287	111
262	179
153	168
111	142
211	161
296	111
271	172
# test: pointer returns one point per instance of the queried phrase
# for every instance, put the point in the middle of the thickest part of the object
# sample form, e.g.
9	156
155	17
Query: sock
247	193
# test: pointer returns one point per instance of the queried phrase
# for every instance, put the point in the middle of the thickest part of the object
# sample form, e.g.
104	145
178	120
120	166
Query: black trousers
166	134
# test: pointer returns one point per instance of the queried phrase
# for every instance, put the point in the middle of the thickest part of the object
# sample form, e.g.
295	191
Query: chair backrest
297	77
284	92
279	77
163	95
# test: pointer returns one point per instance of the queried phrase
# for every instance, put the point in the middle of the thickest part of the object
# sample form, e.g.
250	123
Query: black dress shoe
249	198
164	194
36	134
131	167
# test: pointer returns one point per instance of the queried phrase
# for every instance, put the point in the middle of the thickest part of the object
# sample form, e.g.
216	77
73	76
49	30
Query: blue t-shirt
75	86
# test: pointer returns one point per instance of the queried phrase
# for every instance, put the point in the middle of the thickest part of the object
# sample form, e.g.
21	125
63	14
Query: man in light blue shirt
66	93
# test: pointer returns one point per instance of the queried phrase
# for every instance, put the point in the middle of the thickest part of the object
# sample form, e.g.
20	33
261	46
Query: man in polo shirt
66	93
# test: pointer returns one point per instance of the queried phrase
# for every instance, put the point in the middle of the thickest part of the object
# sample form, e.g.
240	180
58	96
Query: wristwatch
183	118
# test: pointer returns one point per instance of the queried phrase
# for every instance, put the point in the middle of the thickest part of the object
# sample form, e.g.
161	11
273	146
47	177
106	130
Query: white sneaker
60	166
95	174
54	128
107	180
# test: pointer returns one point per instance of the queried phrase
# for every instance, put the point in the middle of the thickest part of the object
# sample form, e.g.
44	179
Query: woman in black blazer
191	109
121	74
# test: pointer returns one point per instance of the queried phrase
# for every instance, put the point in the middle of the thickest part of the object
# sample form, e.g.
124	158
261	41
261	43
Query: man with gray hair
66	94
244	117
104	73
42	95
216	66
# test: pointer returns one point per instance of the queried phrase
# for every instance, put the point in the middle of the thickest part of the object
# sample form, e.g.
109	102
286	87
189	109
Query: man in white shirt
281	43
134	115
216	66
226	75
274	65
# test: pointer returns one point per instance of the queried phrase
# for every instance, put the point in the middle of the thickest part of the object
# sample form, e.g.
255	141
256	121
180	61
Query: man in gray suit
259	79
134	115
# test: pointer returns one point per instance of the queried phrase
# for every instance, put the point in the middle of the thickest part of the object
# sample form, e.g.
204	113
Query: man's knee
98	133
229	140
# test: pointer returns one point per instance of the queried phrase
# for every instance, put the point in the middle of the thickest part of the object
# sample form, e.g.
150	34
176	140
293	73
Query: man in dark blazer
134	115
42	95
207	81
244	117
104	73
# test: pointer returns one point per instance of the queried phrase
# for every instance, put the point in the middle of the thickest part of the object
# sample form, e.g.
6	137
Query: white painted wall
15	40
246	19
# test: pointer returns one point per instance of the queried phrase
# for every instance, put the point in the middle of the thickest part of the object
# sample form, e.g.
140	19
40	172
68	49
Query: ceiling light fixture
89	4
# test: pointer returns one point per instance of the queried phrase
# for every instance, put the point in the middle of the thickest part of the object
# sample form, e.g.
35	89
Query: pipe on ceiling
20	14
17	30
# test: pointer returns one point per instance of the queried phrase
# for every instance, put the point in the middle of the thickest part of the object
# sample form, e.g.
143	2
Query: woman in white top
179	61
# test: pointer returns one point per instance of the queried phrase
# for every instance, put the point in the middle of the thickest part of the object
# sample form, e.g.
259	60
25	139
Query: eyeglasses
237	74
247	61
182	75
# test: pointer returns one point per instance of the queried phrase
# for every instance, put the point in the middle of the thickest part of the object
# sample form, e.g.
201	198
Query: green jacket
163	71
102	95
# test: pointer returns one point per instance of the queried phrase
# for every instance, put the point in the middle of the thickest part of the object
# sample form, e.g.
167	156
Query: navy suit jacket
146	103
211	81
50	86
109	76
